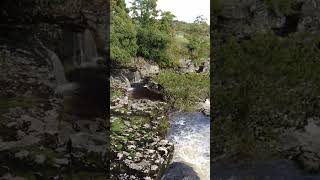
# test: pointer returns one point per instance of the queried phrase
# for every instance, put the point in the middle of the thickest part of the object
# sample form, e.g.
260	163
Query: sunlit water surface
190	133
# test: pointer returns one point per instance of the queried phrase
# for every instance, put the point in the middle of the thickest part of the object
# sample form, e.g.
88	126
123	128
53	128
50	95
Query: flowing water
190	133
86	47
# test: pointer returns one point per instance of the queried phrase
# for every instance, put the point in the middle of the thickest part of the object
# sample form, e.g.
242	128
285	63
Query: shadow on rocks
180	171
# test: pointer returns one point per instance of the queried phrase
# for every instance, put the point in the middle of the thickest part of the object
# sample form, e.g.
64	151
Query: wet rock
178	170
303	145
11	177
61	162
40	159
88	142
204	107
22	155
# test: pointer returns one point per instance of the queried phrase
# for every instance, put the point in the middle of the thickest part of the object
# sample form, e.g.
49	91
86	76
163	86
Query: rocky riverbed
140	122
138	126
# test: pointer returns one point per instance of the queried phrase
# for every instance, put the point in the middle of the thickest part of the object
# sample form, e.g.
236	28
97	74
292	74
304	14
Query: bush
185	90
193	40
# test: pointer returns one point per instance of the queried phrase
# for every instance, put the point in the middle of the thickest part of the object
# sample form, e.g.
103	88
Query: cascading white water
85	50
90	48
57	66
190	133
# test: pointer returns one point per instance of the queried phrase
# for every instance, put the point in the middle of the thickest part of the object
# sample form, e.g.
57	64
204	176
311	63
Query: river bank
140	113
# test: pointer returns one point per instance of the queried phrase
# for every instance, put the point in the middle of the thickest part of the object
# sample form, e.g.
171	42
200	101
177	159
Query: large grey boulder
180	171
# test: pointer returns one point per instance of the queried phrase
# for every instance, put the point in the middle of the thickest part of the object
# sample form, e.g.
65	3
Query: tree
144	11
155	32
123	33
199	40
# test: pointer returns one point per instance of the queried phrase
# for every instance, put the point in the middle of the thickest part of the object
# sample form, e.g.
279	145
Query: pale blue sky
185	10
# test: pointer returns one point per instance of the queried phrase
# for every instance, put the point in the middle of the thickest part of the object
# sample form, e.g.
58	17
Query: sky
185	10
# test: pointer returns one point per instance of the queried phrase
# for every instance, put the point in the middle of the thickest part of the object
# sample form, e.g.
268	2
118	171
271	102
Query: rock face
38	132
204	107
187	66
304	145
245	18
309	18
138	126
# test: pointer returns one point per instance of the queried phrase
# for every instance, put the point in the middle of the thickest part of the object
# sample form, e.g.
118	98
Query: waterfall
84	49
90	48
58	68
56	64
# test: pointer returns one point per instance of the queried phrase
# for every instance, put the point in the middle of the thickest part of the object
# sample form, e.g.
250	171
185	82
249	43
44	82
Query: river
190	133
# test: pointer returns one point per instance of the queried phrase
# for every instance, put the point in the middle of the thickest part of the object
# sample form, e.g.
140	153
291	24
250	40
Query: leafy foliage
193	40
185	89
155	36
123	40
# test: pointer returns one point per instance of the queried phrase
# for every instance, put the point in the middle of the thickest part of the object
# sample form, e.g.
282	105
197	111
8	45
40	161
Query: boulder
180	171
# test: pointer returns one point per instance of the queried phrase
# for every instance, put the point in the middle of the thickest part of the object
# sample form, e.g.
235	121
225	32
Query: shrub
184	89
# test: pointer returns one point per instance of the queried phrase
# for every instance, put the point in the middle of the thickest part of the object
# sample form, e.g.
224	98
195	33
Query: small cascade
89	45
126	80
137	77
58	68
56	64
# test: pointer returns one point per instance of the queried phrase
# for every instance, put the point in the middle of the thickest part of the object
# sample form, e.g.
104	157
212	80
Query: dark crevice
140	91
291	23
290	26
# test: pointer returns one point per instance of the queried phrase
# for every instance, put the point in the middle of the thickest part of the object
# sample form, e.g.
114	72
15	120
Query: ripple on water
190	133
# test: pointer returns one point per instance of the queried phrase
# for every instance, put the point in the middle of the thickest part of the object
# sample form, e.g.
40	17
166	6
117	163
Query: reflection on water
190	132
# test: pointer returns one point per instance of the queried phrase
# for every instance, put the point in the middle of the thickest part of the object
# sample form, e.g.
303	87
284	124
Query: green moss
139	120
23	102
163	126
117	126
116	93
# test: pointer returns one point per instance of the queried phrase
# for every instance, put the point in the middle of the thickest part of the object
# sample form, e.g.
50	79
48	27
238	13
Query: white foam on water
190	133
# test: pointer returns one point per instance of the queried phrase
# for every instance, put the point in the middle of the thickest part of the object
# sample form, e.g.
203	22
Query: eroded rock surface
139	150
39	139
